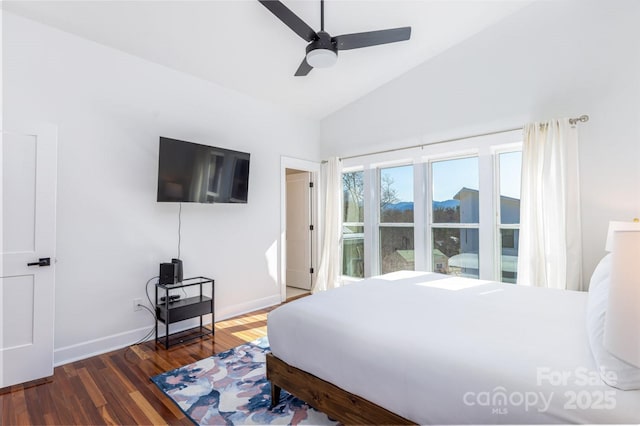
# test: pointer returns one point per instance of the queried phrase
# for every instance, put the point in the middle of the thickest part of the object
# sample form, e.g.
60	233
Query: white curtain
550	251
329	269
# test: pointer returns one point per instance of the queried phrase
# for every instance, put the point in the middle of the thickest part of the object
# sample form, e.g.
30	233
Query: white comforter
445	350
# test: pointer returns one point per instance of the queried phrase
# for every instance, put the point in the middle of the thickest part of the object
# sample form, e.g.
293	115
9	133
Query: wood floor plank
147	409
122	379
64	400
120	402
177	412
83	400
152	400
7	410
139	352
21	412
95	363
18	404
47	404
69	369
114	388
93	391
36	408
50	419
109	416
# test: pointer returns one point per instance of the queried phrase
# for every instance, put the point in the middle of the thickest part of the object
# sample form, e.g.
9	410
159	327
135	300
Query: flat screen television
193	173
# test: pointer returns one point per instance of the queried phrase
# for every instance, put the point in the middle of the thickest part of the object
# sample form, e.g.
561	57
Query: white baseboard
243	308
99	346
113	342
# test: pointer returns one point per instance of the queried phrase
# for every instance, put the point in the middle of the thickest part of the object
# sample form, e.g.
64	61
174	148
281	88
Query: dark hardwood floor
114	388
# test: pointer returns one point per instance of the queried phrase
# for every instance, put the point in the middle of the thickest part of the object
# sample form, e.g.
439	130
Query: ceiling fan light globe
321	58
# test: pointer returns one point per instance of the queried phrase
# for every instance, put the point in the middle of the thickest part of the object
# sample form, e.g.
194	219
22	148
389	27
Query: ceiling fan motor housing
322	52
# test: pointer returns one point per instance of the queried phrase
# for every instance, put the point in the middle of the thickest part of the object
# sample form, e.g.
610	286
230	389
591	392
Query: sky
510	166
451	175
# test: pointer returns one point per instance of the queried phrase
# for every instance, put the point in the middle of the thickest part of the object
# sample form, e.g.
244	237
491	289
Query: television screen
193	173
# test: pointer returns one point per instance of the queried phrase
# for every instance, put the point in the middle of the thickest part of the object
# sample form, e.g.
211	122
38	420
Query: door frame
314	169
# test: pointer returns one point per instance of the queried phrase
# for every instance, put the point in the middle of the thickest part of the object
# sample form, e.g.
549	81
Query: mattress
437	349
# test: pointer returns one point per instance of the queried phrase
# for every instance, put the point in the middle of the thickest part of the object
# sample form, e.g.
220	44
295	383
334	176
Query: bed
418	347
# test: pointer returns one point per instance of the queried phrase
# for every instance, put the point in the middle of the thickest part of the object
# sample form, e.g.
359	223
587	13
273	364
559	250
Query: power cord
179	229
142	340
146	290
180	239
152	330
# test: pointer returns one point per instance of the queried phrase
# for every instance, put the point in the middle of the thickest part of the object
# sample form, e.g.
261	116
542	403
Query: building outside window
455	217
509	170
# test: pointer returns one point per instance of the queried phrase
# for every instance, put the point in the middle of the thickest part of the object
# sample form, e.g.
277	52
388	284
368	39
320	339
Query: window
396	238
353	224
452	208
455	217
509	170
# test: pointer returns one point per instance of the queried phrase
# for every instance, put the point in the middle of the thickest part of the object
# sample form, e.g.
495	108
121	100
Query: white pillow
614	372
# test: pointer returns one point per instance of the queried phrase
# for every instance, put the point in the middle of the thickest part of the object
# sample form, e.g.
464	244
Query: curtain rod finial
582	119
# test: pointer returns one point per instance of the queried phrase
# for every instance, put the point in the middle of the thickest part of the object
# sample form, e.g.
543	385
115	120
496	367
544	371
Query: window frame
485	147
362	224
497	151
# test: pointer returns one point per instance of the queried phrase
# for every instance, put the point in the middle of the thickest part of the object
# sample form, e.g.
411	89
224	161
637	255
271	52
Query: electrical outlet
137	304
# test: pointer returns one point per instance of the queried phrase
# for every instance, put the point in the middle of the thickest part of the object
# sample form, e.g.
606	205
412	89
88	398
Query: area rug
231	388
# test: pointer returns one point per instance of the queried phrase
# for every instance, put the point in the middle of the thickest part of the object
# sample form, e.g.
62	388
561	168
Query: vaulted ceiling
239	44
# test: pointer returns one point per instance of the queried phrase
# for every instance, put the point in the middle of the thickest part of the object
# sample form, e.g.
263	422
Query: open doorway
299	231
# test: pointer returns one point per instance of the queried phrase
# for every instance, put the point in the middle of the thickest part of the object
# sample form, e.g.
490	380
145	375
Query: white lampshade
620	226
622	322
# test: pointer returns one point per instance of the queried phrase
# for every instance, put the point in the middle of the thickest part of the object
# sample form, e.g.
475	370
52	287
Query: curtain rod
572	121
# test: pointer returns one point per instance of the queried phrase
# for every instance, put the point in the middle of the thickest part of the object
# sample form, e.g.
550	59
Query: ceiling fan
322	50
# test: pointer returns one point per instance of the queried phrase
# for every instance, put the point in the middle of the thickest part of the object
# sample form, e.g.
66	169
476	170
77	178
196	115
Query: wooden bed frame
326	397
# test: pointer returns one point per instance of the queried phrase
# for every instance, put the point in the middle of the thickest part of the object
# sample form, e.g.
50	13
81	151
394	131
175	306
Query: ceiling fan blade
290	19
303	69
371	38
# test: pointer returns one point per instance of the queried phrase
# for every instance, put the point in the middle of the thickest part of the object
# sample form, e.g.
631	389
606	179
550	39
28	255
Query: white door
28	237
299	230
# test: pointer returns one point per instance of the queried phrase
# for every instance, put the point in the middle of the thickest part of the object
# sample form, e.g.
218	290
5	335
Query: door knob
43	261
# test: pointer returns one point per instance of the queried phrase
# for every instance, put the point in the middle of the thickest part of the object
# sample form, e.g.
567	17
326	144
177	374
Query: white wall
552	59
110	109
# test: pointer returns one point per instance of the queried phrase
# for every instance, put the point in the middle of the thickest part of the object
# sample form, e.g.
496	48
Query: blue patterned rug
231	389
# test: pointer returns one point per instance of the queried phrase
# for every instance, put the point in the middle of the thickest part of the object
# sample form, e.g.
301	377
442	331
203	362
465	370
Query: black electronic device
178	272
193	173
167	273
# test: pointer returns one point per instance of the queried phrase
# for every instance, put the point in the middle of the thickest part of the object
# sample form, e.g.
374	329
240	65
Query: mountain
447	204
403	205
408	205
